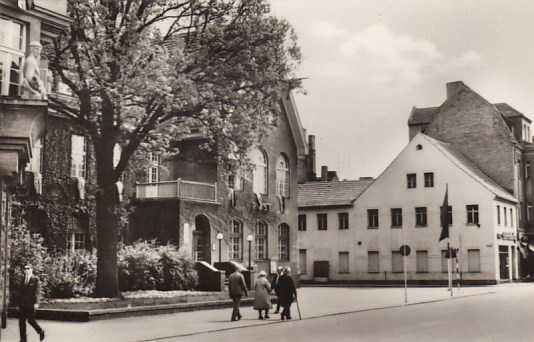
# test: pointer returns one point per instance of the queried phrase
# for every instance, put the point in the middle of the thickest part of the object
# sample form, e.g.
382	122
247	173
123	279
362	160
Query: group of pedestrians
282	285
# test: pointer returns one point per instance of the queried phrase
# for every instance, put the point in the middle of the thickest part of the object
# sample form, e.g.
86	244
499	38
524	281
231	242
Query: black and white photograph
266	170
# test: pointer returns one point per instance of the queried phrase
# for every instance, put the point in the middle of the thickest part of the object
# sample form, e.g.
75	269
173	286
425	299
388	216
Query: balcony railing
186	190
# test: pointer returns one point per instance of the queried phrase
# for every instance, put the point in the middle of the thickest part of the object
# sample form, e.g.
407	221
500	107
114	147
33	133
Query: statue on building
32	86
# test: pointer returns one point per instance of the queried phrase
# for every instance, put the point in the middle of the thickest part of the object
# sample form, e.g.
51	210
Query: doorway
504	263
202	239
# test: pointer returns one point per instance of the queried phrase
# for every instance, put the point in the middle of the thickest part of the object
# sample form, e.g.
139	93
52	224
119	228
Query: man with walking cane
286	292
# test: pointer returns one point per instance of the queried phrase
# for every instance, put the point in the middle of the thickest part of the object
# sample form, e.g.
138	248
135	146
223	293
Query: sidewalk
313	302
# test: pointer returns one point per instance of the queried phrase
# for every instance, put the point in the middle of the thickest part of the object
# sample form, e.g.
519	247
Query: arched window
259	171
283	241
236	240
261	241
282	176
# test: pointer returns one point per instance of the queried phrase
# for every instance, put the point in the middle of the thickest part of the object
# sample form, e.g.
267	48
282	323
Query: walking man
237	287
273	287
30	293
286	292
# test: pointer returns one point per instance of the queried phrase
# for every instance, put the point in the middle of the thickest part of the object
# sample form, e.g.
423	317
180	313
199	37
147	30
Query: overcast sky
370	61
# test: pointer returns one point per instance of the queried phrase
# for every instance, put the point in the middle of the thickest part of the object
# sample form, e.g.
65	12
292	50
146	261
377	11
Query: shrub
26	248
71	275
146	266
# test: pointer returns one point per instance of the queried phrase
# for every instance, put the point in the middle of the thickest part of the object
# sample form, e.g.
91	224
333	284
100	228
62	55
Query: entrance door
202	239
504	263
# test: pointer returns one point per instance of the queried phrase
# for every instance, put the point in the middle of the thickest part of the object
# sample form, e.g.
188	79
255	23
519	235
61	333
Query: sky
367	63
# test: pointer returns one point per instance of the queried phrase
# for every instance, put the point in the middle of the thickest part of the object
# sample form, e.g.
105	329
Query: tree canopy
142	73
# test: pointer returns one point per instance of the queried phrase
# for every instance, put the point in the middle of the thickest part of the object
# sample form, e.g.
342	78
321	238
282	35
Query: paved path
313	302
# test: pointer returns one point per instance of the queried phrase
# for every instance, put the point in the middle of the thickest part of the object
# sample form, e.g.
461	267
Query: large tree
143	71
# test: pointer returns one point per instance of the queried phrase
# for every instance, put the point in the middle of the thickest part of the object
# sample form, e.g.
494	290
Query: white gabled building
402	207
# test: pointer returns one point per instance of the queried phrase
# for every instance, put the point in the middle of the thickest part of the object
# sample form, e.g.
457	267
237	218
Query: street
491	313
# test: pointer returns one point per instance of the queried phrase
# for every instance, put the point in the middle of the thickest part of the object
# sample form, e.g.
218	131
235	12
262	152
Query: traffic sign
405	250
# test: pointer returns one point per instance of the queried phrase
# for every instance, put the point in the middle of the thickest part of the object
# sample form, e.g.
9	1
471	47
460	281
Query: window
322	222
505	216
260	242
259	171
302	223
429	180
372	218
77	234
411	180
283	242
420	217
473	260
397	264
343	220
396	218
498	214
373	262
282	177
472	214
343	262
12	50
527	169
236	240
78	156
235	182
152	173
511	217
421	258
302	261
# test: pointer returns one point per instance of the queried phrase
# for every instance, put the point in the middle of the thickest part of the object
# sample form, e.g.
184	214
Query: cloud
377	55
325	30
467	59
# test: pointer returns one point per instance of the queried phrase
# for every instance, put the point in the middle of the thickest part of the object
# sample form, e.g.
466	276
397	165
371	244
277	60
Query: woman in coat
262	301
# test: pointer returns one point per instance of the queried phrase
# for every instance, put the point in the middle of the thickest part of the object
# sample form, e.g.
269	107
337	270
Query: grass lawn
138	298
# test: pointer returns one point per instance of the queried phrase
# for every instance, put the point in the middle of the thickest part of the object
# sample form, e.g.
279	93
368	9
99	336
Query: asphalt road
505	315
493	313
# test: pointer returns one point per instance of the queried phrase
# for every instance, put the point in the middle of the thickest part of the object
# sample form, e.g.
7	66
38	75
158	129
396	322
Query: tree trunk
107	280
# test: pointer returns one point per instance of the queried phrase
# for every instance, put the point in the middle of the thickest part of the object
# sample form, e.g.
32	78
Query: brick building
496	138
193	202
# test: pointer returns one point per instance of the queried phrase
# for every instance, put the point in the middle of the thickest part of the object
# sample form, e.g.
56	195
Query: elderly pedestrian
274	284
262	301
237	287
286	292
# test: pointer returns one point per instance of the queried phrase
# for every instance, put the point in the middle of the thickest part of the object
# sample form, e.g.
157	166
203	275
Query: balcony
180	189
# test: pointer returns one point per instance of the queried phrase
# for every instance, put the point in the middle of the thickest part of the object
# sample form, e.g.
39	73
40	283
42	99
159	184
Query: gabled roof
334	193
297	130
509	112
422	115
470	168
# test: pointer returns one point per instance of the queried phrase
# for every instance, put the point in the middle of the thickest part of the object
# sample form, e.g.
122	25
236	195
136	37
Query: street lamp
249	239
219	237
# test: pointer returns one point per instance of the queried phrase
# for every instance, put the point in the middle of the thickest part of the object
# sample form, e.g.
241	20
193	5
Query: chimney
311	158
324	173
452	88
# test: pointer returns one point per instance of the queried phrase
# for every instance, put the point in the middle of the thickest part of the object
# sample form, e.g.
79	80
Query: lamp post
219	237
249	239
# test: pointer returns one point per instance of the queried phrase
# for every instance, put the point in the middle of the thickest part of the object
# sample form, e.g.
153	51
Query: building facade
23	117
249	218
360	240
497	139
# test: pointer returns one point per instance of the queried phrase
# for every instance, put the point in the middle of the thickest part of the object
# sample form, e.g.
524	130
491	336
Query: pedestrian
286	292
279	271
237	287
29	296
262	300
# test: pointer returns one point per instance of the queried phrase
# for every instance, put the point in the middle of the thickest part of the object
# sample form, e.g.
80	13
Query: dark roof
334	193
508	112
422	115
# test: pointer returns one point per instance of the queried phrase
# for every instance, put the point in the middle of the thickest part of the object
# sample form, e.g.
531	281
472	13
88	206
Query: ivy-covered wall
49	213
